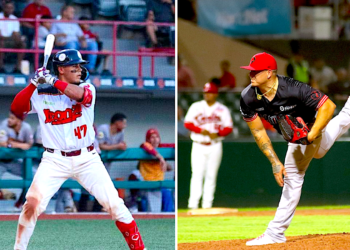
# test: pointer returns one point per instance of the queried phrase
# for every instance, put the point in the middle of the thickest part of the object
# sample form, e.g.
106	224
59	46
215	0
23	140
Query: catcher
302	115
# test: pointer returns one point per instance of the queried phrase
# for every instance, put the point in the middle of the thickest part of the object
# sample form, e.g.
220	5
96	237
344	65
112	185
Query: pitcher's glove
293	129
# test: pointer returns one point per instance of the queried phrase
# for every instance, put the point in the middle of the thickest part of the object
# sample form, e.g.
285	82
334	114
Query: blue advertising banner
245	17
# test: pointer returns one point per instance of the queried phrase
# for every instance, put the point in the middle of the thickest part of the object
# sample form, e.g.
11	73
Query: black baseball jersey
292	98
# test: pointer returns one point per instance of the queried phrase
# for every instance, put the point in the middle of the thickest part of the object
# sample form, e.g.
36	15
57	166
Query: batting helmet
67	57
210	87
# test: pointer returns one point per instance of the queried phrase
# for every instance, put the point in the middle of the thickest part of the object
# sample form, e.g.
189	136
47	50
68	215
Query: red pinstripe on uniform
321	102
251	119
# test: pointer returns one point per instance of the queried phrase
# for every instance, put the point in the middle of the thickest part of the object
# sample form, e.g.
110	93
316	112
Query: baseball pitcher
303	115
209	122
65	107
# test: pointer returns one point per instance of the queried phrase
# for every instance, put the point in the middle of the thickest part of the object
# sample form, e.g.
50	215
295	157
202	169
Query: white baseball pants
53	170
205	161
297	160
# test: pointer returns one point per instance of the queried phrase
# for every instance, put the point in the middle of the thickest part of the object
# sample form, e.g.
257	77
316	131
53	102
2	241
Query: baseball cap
150	132
261	61
210	87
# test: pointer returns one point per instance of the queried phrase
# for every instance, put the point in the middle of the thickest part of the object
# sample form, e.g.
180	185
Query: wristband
60	85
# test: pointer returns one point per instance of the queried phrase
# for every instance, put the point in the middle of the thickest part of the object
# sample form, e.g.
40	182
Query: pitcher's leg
45	184
297	160
213	164
198	163
334	129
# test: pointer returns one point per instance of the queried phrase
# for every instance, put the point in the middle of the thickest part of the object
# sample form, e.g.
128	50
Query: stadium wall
204	50
245	177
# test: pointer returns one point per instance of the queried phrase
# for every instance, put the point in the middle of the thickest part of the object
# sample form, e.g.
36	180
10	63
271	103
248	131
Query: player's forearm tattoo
266	147
256	135
276	168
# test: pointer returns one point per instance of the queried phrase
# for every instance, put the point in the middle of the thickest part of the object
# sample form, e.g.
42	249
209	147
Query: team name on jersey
62	117
201	119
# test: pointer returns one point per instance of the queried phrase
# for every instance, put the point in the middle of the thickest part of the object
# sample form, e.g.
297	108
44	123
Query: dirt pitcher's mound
339	241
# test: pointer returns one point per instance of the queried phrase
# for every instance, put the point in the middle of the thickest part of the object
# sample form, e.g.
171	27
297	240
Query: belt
71	153
205	143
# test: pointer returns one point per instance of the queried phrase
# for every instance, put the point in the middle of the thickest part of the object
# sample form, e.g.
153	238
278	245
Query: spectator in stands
185	76
153	170
111	136
322	75
10	36
15	133
64	201
74	38
44	30
33	10
160	11
298	68
137	201
340	89
227	79
94	44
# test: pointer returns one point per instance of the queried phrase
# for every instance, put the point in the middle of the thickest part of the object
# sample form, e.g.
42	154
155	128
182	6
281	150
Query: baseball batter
209	122
302	115
65	107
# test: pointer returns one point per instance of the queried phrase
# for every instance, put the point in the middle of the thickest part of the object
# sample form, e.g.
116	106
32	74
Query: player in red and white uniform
65	107
209	122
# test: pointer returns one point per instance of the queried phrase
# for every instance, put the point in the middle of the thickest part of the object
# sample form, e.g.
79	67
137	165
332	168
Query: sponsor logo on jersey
286	108
62	117
207	119
48	102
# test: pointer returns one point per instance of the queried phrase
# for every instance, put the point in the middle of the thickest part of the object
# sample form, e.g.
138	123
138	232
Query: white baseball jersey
212	118
65	124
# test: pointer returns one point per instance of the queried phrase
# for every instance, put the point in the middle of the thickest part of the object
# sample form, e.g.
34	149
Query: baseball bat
50	40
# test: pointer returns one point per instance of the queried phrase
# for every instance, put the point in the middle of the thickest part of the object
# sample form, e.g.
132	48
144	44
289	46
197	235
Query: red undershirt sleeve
192	127
21	103
225	131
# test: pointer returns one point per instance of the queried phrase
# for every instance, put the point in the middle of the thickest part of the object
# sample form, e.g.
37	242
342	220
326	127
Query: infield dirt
339	241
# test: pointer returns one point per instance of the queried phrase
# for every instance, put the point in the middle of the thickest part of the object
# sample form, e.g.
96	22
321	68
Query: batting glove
50	79
39	76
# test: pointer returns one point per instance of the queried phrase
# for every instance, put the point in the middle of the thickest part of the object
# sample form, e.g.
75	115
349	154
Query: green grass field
89	235
199	229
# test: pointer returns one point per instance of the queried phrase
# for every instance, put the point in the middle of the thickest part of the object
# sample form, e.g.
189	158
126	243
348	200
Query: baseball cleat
263	239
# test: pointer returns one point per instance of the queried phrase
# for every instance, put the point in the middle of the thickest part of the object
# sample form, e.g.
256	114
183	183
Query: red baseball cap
210	87
150	132
261	61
